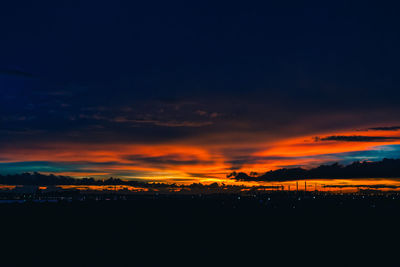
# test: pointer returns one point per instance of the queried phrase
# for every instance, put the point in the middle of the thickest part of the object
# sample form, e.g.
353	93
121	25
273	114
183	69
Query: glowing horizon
186	162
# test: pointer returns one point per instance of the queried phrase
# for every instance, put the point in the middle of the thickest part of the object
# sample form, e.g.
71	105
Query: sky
193	90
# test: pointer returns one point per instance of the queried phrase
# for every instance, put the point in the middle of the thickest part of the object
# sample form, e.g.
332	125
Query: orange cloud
201	162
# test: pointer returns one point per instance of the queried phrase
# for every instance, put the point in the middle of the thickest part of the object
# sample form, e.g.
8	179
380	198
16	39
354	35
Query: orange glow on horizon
186	162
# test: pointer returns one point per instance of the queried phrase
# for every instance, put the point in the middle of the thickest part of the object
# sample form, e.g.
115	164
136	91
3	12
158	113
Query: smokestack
305	186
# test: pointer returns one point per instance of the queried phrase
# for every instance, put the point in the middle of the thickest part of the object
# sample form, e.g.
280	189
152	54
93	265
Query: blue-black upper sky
196	88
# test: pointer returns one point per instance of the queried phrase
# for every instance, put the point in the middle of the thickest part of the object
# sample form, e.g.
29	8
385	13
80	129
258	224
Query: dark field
284	228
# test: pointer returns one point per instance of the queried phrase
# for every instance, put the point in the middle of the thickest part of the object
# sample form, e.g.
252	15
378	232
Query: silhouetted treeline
387	168
42	179
39	179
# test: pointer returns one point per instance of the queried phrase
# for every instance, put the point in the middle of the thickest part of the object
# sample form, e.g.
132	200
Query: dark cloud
237	161
356	138
166	160
206	175
215	78
387	168
390	128
165	123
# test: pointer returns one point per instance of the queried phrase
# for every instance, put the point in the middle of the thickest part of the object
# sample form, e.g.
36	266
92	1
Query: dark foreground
272	229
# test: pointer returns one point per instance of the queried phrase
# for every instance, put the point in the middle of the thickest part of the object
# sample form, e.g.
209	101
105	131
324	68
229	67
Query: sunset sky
179	91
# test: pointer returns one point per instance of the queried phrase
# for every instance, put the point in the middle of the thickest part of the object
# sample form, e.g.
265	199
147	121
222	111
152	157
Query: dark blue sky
201	74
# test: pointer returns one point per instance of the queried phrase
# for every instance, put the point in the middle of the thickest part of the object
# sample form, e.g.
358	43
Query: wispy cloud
356	138
156	122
